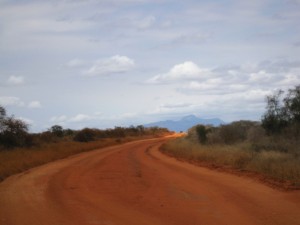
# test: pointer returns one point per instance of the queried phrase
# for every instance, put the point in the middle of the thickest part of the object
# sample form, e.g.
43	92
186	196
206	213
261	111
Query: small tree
292	105
57	130
201	133
275	118
141	129
14	133
198	134
2	112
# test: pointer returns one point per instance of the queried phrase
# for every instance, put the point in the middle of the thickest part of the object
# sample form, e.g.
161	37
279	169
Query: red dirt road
134	184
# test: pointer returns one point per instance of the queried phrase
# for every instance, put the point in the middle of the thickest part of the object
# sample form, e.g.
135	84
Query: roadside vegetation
270	147
21	150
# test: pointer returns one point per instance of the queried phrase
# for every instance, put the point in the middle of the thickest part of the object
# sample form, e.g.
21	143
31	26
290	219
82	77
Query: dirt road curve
134	184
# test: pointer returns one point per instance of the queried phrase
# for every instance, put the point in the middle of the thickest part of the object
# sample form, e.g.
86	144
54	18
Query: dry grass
18	160
279	166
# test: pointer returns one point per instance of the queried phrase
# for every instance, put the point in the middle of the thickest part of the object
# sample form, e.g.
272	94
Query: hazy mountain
185	123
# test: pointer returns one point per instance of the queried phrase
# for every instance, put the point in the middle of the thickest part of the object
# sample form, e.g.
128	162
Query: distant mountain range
185	123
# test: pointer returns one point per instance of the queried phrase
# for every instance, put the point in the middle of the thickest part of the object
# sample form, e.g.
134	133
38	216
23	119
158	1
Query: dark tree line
14	133
88	134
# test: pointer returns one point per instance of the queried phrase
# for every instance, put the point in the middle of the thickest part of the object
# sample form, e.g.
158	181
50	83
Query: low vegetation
270	147
20	150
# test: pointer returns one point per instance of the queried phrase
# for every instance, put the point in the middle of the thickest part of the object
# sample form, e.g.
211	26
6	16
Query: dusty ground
134	184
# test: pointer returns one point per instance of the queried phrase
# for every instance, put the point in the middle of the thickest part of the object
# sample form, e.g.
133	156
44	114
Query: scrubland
270	147
272	159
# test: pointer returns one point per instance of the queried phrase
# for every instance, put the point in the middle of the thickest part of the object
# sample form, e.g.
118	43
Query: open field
278	168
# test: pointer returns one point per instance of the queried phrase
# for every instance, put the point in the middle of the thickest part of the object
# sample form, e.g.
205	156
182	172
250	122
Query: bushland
270	147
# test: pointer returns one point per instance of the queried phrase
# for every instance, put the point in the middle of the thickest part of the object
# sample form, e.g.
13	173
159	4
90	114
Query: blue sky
106	63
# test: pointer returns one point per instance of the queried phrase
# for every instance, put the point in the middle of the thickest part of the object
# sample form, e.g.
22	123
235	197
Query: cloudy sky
101	63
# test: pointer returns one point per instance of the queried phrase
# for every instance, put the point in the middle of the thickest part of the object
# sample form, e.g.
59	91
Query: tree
14	133
201	133
282	112
2	112
292	104
141	129
57	130
198	134
2	118
275	118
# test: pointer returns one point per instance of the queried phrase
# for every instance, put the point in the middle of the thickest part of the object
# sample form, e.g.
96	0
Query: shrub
255	134
232	133
57	130
85	135
198	134
201	133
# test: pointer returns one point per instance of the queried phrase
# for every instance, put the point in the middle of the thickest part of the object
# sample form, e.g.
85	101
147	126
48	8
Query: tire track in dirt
135	184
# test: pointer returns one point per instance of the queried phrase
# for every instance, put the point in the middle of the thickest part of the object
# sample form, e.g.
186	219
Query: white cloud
75	63
34	105
26	120
80	118
112	65
96	119
290	80
146	23
215	86
176	105
255	95
123	116
240	79
262	77
184	71
197	38
11	101
198	86
15	80
172	108
15	101
58	119
74	119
